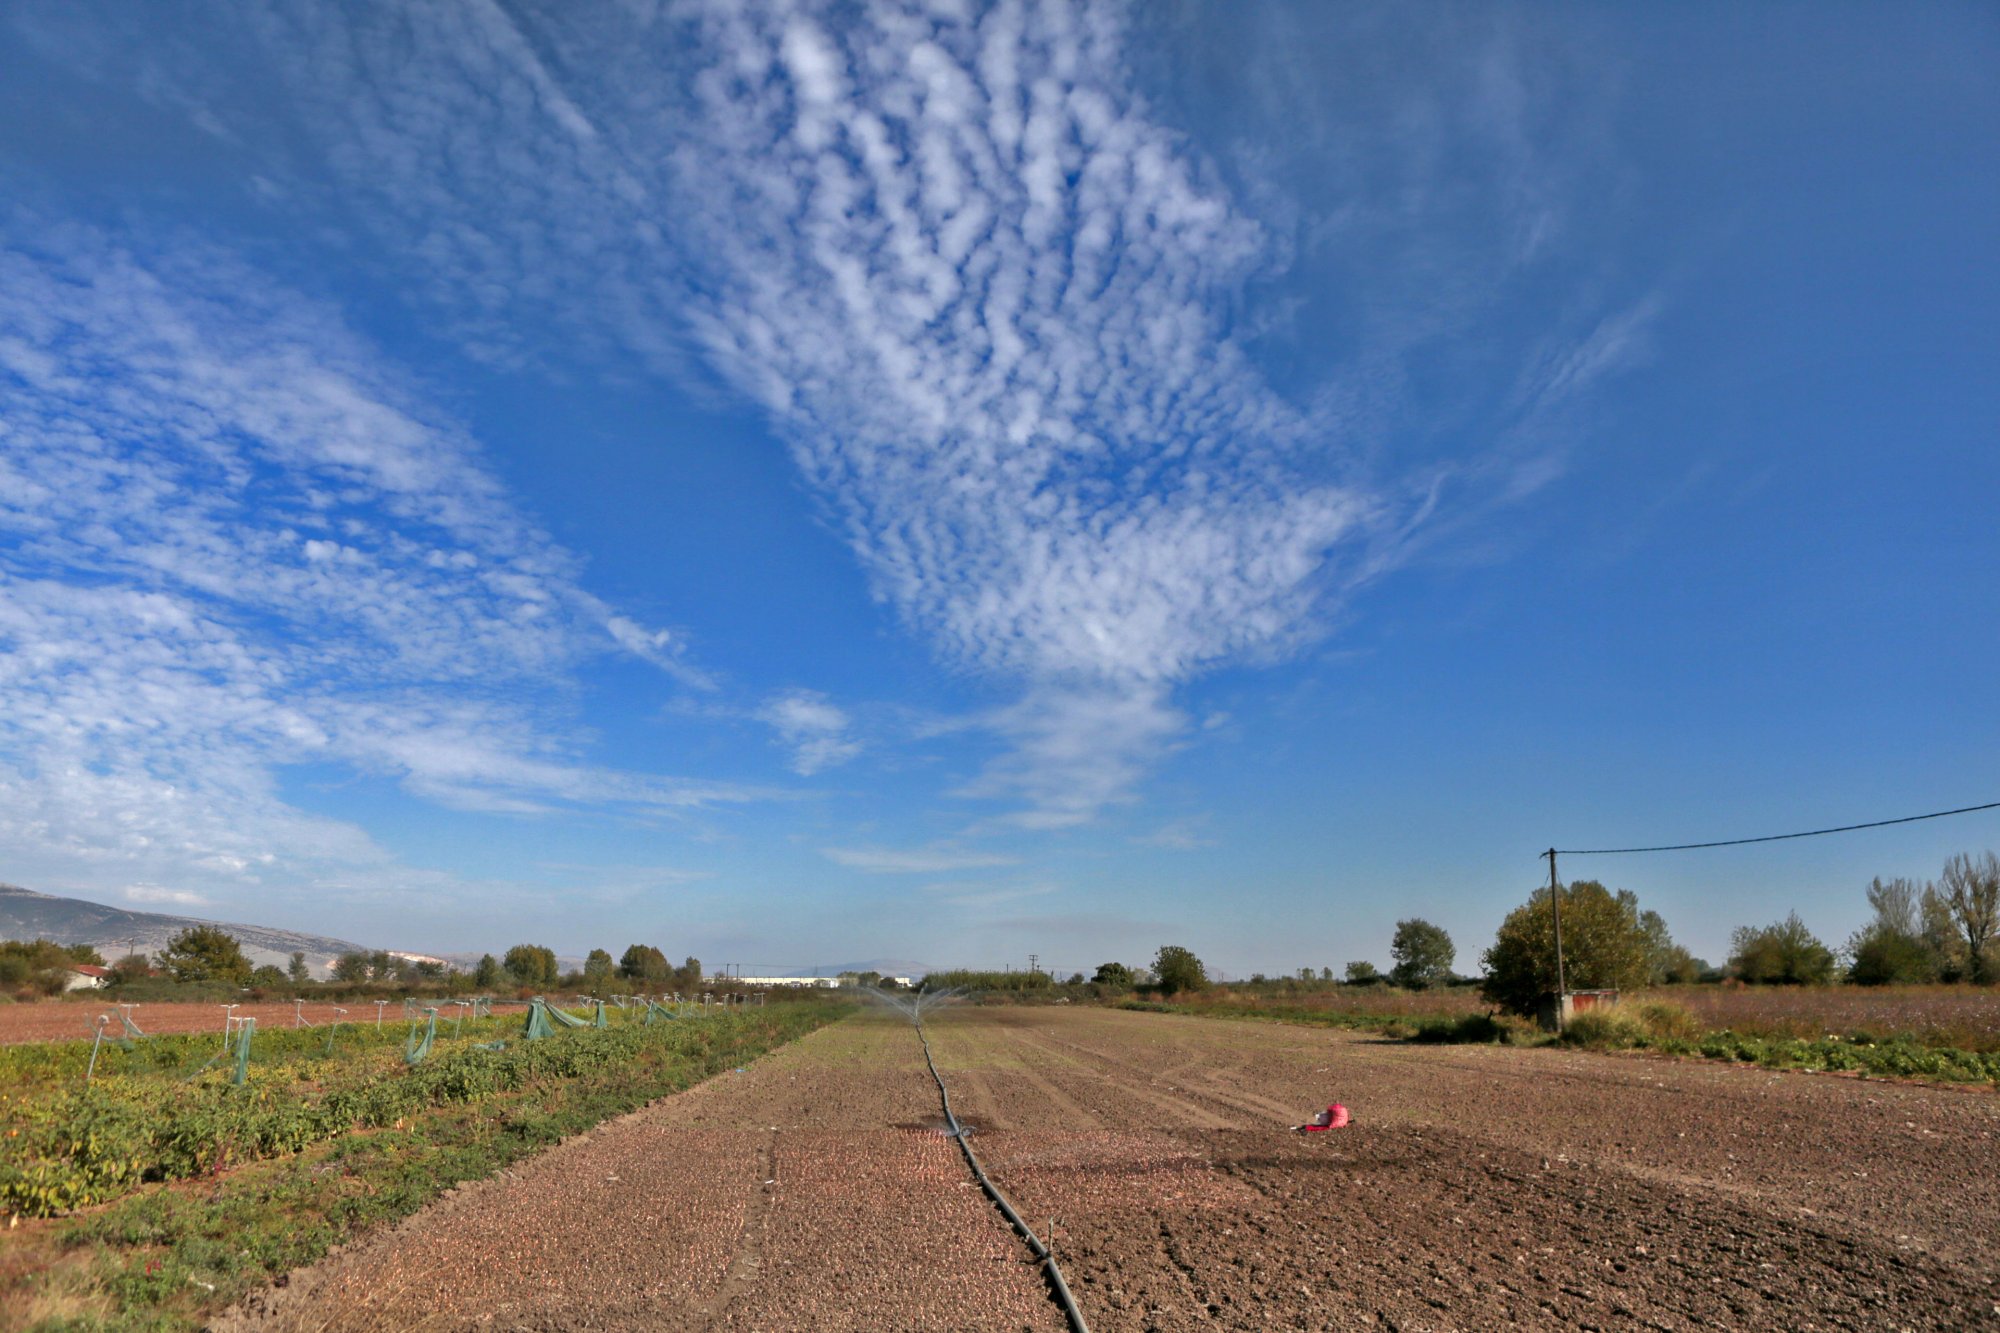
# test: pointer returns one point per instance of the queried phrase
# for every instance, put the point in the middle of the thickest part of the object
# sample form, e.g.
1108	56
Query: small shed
87	976
1558	1010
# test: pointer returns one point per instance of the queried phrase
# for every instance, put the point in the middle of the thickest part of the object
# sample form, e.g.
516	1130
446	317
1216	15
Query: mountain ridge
115	931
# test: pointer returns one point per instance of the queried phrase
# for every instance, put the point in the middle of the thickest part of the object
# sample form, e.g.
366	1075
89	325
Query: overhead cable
1774	837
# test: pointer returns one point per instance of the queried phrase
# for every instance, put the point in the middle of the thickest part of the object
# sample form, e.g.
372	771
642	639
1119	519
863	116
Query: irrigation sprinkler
299	1013
339	1017
103	1021
228	1017
458	1023
916	1005
380	1005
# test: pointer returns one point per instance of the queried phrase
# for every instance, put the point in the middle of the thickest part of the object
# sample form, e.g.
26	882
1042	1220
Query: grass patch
1646	1024
167	1255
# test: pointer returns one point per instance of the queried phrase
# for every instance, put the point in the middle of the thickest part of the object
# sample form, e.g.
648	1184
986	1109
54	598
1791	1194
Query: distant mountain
113	931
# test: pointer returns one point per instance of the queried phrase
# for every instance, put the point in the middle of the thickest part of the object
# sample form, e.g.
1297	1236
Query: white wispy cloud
150	894
922	861
816	730
234	542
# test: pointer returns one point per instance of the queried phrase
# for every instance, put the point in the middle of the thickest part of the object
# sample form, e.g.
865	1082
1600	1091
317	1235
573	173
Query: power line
1774	837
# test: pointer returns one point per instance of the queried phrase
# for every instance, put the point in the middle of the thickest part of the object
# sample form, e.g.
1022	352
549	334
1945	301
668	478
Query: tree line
1947	930
211	955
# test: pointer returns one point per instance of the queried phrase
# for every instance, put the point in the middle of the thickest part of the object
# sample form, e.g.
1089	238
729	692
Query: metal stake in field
228	1018
380	1005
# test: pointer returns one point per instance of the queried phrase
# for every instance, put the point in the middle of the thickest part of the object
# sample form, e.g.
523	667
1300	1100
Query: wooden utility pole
1555	911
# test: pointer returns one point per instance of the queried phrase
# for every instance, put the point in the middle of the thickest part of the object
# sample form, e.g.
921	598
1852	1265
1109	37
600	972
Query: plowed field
1478	1188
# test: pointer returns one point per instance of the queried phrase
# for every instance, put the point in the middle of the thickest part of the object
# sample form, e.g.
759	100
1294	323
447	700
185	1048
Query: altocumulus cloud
977	285
232	543
984	295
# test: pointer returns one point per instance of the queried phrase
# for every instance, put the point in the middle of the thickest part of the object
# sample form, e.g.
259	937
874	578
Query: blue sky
801	484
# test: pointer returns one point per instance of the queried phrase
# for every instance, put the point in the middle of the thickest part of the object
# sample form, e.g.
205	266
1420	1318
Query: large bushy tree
205	953
352	967
642	964
1179	970
1891	949
1605	946
1783	953
1113	974
1423	954
531	964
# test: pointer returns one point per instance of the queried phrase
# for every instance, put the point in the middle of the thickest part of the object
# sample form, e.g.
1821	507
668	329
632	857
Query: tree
1423	954
487	974
643	964
1940	934
205	953
351	967
43	963
1361	972
1667	963
1113	974
1972	892
687	977
1604	947
531	965
297	969
1179	970
1326	974
1891	949
267	976
597	967
1785	953
132	967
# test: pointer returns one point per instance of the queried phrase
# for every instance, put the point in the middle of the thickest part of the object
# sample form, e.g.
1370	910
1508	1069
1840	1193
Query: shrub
1669	1022
1615	1027
1469	1030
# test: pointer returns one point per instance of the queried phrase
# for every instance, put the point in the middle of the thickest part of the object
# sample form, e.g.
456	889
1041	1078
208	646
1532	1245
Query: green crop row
69	1149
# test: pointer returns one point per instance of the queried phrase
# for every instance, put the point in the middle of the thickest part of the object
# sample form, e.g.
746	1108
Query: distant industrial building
795	983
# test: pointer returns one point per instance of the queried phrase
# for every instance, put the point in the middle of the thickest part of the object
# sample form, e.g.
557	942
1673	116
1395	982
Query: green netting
416	1050
243	1035
537	1025
564	1018
131	1028
602	1021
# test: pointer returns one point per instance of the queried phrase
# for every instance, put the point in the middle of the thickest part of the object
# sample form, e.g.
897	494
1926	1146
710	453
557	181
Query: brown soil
1478	1187
811	1191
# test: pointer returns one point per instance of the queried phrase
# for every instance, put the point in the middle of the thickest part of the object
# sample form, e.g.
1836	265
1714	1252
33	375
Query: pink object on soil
1333	1117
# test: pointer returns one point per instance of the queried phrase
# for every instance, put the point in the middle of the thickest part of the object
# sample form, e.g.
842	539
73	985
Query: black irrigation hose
1050	1268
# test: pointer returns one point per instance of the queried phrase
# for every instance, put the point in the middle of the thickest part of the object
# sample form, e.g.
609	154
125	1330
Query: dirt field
1478	1187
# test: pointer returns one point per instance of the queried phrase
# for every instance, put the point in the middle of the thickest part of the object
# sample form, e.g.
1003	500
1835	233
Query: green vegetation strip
371	1142
1666	1028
